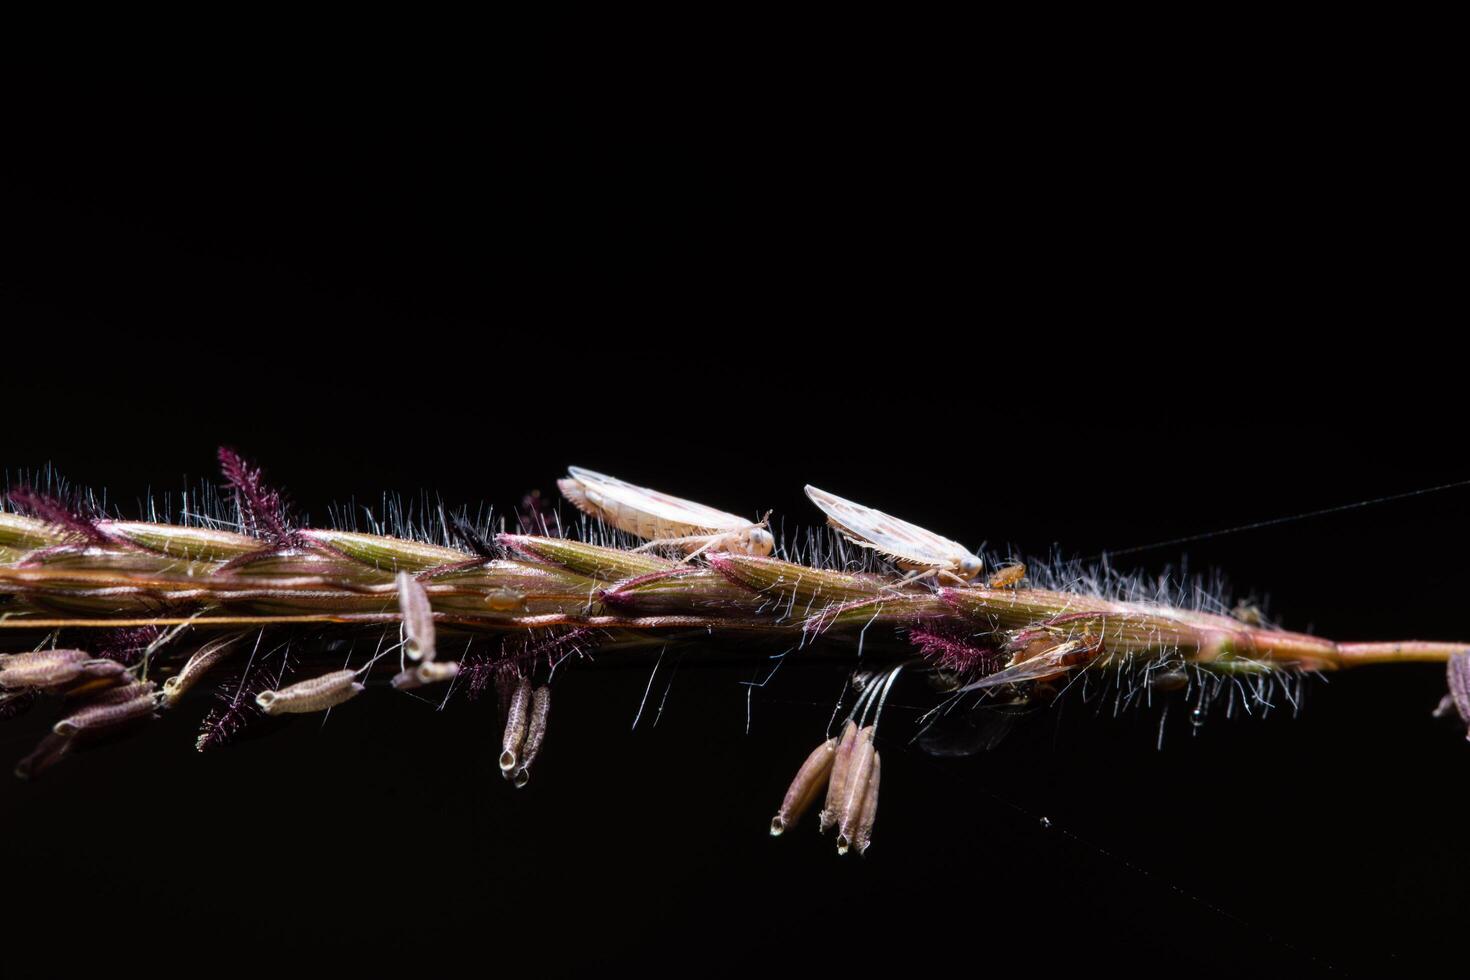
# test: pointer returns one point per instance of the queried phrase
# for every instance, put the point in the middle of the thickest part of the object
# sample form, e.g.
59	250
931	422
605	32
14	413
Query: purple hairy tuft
77	520
263	509
479	676
952	650
517	656
478	672
127	645
556	647
235	708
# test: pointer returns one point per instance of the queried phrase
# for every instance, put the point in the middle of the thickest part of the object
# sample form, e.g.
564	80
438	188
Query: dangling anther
102	668
125	702
858	801
43	668
863	836
516	718
535	735
837	783
429	672
199	664
855	788
51	749
418	618
810	780
38	657
1457	672
311	695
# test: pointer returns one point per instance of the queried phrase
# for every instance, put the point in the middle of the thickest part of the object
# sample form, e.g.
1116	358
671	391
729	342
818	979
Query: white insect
922	553
663	519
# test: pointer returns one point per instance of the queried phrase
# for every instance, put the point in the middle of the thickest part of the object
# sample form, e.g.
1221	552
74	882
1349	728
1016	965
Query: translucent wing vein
886	534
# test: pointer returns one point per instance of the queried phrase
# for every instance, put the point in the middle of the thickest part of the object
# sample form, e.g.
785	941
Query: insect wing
649	513
882	532
1046	664
975	731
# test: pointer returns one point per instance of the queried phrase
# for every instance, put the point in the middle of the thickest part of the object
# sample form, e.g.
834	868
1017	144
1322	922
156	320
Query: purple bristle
76	520
263	509
235	708
127	645
951	651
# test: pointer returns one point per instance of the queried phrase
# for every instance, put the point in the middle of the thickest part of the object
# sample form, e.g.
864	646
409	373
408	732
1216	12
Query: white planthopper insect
921	553
663	519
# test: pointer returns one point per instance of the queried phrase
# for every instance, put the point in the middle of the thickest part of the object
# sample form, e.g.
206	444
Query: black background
1100	312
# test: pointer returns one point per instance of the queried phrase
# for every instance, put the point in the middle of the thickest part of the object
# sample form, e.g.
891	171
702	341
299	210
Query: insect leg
714	539
917	575
676	542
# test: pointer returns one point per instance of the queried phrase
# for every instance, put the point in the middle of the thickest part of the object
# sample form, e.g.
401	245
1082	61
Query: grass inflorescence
122	619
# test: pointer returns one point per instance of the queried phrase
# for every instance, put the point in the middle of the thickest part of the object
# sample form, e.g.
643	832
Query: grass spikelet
381	552
595	561
21	534
797	587
74	522
680	591
195	544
